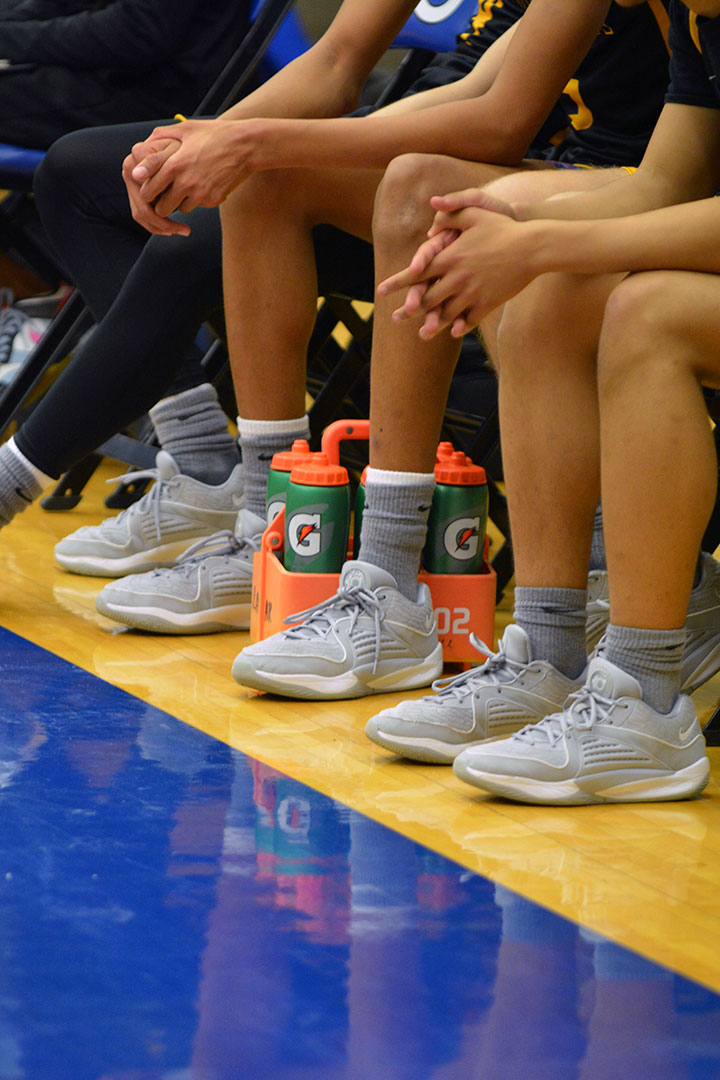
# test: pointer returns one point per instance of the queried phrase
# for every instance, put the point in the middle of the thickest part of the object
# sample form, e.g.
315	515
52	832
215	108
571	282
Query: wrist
542	245
269	142
250	140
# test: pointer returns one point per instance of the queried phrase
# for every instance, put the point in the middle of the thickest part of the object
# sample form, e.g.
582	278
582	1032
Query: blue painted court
171	909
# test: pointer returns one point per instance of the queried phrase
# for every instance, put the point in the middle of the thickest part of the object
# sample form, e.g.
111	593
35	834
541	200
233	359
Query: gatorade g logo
274	509
304	534
461	538
428	12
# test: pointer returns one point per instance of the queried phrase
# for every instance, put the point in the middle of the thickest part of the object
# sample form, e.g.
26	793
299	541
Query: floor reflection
173	910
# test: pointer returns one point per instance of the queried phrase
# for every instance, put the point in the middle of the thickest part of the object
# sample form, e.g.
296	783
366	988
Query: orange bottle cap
284	460
444	450
318	472
459	469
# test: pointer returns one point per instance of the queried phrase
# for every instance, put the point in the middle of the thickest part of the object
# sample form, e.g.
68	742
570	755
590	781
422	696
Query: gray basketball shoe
367	639
607	745
504	694
701	655
176	513
209	590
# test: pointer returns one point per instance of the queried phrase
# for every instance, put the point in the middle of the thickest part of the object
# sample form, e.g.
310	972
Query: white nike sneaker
176	513
208	591
367	639
607	745
504	694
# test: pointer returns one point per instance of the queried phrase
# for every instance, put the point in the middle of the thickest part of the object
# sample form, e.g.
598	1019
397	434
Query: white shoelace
587	709
355	601
220	543
498	669
151	499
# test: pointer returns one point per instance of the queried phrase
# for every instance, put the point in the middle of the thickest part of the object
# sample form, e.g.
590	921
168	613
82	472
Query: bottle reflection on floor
173	910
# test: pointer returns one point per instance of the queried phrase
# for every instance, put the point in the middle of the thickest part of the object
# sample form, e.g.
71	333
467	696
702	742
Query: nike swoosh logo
687	731
23	496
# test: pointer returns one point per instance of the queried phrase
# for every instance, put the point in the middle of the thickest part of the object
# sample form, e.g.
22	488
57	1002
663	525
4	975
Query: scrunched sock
21	482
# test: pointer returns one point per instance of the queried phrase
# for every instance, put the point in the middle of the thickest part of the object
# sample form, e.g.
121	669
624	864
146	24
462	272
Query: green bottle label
456	530
316	528
276	492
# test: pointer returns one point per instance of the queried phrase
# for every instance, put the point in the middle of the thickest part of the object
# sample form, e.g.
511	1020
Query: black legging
149	295
148	308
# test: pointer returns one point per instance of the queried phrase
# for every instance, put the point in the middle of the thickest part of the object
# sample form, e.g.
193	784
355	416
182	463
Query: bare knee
530	322
402	205
638	330
270	193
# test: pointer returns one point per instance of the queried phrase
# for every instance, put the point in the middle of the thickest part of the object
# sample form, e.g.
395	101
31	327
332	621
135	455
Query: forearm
491	115
681	164
426	99
322	84
620	197
672	238
477	82
327	80
311	86
371	142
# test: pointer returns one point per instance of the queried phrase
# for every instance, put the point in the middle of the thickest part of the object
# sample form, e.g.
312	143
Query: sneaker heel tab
166	465
515	644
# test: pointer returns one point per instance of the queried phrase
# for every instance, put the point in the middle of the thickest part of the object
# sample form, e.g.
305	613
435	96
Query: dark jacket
171	46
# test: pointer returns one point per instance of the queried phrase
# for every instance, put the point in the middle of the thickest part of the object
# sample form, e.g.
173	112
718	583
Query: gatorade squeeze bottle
317	517
359	510
279	475
458	518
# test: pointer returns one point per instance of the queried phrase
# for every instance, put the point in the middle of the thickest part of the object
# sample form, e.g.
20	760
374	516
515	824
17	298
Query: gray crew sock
653	657
193	427
554	620
259	440
20	482
597	551
394	524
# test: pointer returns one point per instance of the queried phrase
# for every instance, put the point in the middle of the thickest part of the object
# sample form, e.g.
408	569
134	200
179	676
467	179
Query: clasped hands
181	166
475	258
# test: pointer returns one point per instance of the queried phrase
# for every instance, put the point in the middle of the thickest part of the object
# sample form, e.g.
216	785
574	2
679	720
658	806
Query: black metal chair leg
68	491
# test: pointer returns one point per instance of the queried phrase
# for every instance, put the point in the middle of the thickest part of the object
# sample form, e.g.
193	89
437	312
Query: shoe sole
111	566
350	684
683	784
429	751
159	621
